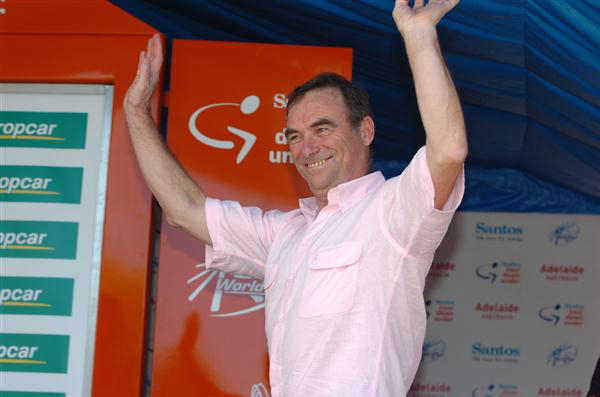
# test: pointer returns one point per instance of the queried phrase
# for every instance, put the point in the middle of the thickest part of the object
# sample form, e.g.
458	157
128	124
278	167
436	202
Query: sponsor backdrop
227	114
512	303
54	150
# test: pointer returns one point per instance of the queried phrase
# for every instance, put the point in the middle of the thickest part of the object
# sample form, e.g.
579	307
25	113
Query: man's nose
309	146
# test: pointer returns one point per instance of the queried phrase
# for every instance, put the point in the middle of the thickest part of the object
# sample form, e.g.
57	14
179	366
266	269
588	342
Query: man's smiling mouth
318	163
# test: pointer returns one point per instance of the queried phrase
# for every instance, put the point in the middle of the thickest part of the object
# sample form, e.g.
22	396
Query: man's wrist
137	111
419	40
419	34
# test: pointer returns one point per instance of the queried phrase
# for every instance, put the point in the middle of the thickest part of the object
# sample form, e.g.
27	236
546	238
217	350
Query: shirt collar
344	195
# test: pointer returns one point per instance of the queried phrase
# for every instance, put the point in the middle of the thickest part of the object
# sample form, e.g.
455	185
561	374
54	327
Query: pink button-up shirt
343	286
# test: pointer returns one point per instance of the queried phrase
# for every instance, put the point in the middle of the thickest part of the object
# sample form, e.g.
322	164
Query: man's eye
293	138
323	130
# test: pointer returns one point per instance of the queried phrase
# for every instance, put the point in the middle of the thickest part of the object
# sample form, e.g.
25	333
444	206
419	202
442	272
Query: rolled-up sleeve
410	217
241	237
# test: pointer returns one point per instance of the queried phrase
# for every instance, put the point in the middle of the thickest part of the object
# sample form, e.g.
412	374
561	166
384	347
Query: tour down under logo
228	285
563	314
248	106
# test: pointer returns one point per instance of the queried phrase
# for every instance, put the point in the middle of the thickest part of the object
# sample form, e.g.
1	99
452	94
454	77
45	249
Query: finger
154	44
448	4
451	4
149	46
157	53
143	66
418	4
399	7
140	61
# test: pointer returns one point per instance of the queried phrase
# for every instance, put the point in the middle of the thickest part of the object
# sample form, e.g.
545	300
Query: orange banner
226	122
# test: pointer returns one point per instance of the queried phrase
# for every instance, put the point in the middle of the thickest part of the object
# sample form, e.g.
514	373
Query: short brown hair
356	99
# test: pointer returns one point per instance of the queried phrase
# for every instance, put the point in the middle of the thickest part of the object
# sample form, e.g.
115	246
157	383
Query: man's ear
367	130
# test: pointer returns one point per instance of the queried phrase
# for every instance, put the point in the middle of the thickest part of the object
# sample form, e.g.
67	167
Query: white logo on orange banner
228	284
248	106
259	390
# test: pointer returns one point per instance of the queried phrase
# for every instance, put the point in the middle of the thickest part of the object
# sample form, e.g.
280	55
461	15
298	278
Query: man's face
326	150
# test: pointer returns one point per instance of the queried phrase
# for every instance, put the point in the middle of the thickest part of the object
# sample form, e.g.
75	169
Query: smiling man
325	131
344	273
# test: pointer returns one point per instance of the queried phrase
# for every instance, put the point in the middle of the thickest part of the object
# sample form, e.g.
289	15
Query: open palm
148	73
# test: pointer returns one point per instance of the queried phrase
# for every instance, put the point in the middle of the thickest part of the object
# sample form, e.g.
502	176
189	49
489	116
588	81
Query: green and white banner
38	239
54	142
43	129
34	353
36	295
25	183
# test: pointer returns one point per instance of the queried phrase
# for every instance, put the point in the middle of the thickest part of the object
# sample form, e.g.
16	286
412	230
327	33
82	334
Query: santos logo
433	350
227	284
562	355
483	231
500	350
248	106
483	228
495	353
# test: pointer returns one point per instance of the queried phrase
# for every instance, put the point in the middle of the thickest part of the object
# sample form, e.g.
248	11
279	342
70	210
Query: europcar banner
54	142
225	126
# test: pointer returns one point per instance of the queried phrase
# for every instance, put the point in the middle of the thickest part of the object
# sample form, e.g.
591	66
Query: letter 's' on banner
226	123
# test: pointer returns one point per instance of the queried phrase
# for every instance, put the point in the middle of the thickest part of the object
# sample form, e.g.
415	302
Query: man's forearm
438	100
179	196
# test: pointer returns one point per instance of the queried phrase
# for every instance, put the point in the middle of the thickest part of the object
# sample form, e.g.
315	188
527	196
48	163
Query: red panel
199	351
69	16
49	42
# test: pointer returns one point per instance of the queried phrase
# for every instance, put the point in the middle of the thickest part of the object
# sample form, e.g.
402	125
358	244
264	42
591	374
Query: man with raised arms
344	273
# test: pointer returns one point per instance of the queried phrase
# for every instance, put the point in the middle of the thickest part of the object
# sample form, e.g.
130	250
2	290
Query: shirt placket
279	327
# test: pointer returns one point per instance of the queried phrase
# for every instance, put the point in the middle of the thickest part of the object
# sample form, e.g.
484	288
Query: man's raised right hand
141	89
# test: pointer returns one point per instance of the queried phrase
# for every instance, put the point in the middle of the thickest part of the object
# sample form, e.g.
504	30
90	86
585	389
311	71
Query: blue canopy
527	72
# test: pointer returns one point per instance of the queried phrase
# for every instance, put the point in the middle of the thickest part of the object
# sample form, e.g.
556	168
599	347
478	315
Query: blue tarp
527	71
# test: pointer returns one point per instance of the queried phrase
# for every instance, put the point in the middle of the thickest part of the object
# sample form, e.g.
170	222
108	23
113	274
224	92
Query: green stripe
36	296
34	353
40	184
60	130
5	393
38	239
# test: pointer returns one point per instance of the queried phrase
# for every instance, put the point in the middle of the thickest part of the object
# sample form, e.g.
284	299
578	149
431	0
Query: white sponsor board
77	260
512	302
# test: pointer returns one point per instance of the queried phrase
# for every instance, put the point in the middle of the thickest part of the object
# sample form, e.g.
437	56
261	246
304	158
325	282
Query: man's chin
319	186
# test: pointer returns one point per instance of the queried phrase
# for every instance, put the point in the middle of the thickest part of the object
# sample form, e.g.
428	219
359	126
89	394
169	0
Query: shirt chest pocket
330	283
